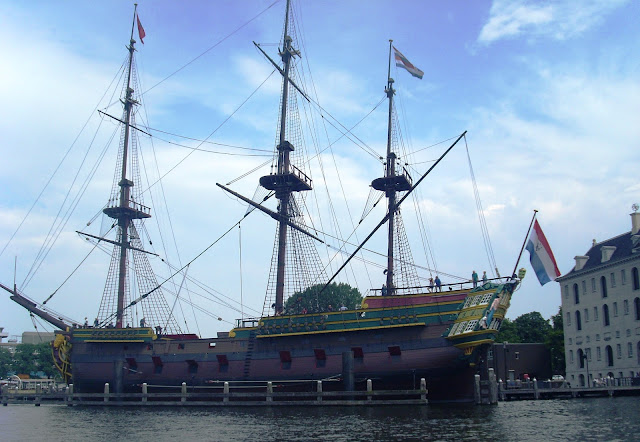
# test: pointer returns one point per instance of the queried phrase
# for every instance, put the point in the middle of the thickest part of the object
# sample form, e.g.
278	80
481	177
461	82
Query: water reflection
574	419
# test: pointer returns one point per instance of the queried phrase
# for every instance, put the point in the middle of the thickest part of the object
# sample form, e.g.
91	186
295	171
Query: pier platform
223	396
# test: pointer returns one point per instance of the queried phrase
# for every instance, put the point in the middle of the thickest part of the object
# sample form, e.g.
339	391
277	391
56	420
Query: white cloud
559	20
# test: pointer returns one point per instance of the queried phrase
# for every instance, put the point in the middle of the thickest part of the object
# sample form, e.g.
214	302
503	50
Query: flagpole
133	25
525	241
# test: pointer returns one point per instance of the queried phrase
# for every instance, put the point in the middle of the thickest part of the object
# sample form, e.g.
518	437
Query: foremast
391	183
126	207
124	213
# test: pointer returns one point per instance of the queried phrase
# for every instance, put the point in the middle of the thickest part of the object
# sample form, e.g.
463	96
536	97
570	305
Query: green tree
532	327
555	343
311	299
34	359
6	361
508	332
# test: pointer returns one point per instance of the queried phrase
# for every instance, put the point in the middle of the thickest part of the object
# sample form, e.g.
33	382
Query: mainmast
391	182
126	210
287	178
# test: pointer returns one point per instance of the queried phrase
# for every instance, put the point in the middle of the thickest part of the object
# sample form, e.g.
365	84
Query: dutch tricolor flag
541	256
401	61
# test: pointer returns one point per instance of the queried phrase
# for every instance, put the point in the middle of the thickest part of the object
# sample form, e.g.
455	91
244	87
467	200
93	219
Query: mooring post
369	389
5	395
319	390
493	387
226	392
536	393
70	395
144	392
423	389
476	389
38	394
501	393
347	370
118	373
106	392
183	397
269	392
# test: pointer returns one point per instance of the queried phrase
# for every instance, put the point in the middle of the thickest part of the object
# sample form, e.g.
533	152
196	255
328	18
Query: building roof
626	246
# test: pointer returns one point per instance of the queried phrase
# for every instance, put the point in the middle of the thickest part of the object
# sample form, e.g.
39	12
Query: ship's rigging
296	263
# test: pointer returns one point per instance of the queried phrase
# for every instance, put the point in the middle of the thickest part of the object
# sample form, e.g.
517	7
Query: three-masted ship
403	332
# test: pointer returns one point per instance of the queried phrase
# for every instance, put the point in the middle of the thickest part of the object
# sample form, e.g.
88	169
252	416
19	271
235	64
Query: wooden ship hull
394	341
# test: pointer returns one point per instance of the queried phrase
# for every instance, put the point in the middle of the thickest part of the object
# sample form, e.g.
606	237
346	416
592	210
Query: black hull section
391	358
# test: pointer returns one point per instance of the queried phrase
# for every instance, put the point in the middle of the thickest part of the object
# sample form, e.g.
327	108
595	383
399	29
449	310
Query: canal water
593	419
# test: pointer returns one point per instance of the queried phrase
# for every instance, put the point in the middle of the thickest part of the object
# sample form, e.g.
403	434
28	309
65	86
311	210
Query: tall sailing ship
402	332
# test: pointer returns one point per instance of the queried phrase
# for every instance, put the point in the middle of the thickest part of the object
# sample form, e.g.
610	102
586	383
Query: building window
589	354
613	279
629	349
570	341
587	338
623	276
615	309
618	351
625	306
609	352
584	287
586	315
605	314
571	356
593	284
578	321
576	295
636	307
581	358
634	278
595	313
568	318
617	333
598	354
597	336
628	332
603	286
566	292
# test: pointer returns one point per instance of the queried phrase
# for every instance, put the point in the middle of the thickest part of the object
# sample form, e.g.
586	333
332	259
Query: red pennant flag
141	32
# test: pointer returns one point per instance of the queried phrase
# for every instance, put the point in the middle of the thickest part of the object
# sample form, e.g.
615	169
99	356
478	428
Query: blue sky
548	92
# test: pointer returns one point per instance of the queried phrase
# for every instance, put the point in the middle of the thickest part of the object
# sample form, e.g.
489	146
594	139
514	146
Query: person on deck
474	278
430	285
142	322
96	323
484	277
384	290
438	284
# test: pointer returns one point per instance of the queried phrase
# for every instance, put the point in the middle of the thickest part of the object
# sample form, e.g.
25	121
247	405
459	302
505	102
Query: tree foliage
555	343
314	301
5	363
32	359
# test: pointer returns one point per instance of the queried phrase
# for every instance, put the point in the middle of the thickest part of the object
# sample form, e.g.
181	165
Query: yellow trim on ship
277	335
